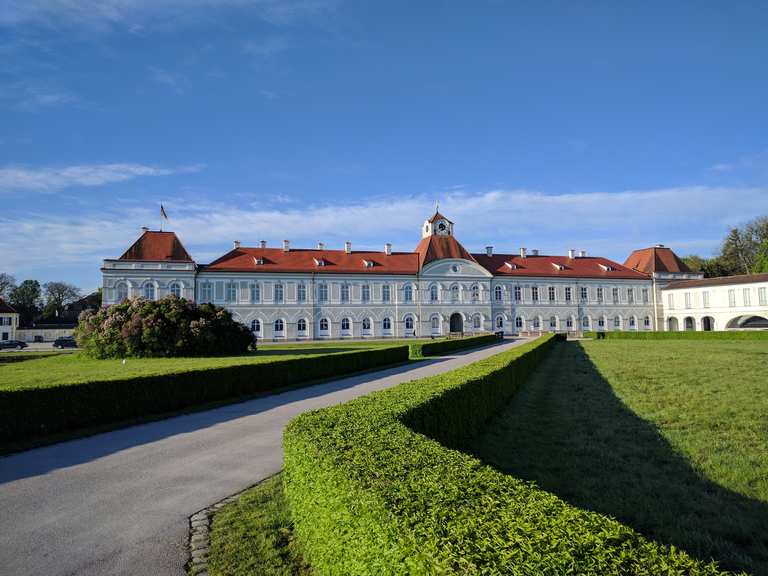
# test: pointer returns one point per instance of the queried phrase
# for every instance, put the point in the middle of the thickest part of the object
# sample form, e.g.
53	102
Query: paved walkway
118	502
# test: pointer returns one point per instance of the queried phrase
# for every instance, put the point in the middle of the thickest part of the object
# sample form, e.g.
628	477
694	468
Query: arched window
256	326
569	322
175	289
387	324
366	323
409	322
617	322
477	322
435	323
278	292
499	322
323	324
518	322
301	325
498	294
279	325
149	291
585	322
601	322
475	293
647	322
454	293
122	291
553	322
345	324
433	293
632	322
408	293
536	323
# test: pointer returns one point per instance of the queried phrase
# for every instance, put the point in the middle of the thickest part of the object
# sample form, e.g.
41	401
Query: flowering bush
168	327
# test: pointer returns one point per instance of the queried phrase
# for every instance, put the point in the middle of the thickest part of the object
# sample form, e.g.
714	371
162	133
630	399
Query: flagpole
161	216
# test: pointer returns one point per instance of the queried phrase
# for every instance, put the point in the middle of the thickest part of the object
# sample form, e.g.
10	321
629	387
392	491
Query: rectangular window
366	294
615	294
671	301
645	295
301	292
762	297
518	293
631	295
746	297
567	293
5	335
231	292
585	294
278	292
219	291
551	293
731	298
535	293
599	294
705	299
385	293
206	292
255	293
345	292
322	292
687	299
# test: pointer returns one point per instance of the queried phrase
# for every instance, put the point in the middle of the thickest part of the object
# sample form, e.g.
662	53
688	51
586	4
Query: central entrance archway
457	322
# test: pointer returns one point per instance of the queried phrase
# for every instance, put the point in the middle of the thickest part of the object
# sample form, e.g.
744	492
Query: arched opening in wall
747	323
435	324
301	328
386	327
346	327
174	289
690	324
499	323
409	326
477	323
256	327
122	292
457	322
707	323
367	324
323	327
279	329
672	325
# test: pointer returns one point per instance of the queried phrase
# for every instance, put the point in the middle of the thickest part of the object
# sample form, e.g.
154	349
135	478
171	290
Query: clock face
442	227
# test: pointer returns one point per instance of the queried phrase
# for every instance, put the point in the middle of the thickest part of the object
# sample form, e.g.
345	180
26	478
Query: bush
687	335
421	349
167	327
29	412
376	488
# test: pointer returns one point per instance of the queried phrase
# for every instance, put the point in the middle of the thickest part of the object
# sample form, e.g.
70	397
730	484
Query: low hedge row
687	335
30	412
422	349
375	488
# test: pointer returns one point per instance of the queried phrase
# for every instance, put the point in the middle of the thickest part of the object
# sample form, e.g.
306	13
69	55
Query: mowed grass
77	368
253	536
669	437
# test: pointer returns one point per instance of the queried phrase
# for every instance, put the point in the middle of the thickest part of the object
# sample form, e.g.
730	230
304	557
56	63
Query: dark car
65	342
18	344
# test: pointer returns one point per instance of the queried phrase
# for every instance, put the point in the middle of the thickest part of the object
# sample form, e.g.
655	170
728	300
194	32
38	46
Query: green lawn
669	437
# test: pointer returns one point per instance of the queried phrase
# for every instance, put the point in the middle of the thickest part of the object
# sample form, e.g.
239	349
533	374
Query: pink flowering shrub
164	328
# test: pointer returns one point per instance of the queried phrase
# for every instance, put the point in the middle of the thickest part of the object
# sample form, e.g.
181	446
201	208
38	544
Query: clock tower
438	225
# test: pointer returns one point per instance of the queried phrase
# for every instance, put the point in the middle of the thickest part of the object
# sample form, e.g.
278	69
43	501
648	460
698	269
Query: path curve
118	502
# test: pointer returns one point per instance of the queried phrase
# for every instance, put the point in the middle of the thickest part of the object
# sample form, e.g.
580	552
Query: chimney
388	249
582	253
523	252
263	244
348	247
286	245
236	244
489	250
320	246
571	253
535	252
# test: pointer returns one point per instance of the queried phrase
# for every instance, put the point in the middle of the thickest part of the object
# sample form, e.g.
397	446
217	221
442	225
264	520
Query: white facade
9	324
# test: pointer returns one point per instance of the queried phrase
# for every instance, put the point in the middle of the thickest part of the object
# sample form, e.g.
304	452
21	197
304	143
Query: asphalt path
119	502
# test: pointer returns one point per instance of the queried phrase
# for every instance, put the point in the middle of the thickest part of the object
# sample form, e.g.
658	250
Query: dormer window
607	267
319	261
258	261
368	263
510	265
558	266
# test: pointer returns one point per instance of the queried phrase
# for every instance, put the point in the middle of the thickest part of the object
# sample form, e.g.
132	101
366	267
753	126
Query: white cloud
266	47
692	219
31	95
17	179
167	78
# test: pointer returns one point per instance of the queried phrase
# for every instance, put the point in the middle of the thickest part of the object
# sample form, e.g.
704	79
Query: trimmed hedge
375	488
422	349
29	412
683	335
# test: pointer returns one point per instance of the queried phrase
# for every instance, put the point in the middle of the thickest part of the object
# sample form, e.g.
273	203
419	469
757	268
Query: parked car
18	344
65	342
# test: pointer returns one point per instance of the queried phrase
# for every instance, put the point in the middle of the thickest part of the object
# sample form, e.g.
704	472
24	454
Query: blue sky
552	125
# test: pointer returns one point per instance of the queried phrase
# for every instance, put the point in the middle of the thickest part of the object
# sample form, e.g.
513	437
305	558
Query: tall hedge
29	412
422	349
167	327
375	488
683	335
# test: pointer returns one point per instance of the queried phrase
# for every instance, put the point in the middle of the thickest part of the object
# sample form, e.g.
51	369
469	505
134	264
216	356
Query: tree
7	284
58	295
761	262
26	299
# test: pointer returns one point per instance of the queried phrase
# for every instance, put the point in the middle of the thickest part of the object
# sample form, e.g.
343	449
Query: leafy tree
26	298
58	295
736	254
761	261
7	284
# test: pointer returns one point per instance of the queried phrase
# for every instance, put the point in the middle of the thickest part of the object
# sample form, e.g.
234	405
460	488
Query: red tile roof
153	245
437	217
556	267
720	281
301	260
438	247
656	259
6	308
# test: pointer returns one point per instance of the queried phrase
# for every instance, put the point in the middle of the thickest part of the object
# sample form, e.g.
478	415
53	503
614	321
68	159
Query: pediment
454	267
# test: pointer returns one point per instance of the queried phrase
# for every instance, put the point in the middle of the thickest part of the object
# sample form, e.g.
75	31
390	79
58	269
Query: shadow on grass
567	431
302	351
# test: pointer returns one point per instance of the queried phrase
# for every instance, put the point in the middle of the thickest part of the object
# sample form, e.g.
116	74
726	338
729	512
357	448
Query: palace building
316	293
